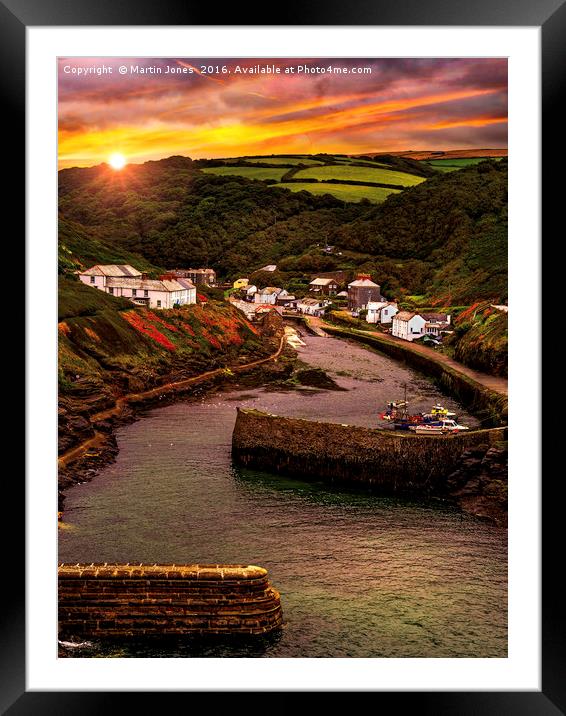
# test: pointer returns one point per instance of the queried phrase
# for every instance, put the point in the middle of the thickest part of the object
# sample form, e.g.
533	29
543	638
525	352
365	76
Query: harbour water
359	575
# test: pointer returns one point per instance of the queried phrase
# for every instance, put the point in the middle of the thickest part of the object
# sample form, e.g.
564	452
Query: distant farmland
347	178
248	172
345	192
379	175
452	165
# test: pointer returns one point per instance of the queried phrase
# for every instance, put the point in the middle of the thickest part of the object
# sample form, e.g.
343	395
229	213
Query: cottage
240	283
381	311
326	286
153	293
249	292
312	306
408	326
97	276
269	295
362	291
436	323
201	276
127	282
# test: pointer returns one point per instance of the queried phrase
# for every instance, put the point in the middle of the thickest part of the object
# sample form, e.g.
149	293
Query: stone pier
139	600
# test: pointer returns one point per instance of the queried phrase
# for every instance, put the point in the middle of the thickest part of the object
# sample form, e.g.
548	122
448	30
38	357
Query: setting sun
117	161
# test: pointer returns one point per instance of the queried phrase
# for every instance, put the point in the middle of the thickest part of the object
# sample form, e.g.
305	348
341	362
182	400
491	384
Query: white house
97	276
152	292
269	295
250	292
127	282
381	311
436	323
312	306
408	326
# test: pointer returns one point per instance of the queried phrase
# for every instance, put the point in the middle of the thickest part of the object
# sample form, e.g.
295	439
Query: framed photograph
275	265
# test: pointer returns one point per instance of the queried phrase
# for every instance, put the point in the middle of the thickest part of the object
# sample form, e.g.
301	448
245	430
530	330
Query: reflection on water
359	575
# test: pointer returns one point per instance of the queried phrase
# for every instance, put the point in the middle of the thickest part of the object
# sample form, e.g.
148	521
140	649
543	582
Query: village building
342	294
206	276
97	276
127	282
408	325
287	301
153	293
240	283
436	323
312	306
362	291
326	286
381	311
249	292
269	295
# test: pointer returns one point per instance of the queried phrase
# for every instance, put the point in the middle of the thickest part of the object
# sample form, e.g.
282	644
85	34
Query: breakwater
389	462
139	600
488	404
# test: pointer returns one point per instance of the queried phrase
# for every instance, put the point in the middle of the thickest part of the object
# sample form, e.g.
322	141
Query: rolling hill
444	238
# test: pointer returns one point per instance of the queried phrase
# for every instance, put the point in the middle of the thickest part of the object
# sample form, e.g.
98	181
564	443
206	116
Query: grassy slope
344	192
107	342
480	338
259	173
379	175
78	248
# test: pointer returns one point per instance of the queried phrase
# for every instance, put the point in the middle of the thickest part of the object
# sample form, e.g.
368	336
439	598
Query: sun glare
117	161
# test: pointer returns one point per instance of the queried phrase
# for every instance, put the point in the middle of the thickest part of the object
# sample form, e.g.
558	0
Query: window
93	279
158	304
111	291
145	293
134	292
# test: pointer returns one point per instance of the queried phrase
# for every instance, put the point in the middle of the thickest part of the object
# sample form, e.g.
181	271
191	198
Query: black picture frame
15	16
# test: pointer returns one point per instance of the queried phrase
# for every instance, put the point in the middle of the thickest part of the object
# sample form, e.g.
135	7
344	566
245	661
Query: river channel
359	575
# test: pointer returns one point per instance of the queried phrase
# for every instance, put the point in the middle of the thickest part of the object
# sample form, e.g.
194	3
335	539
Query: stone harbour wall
388	461
138	600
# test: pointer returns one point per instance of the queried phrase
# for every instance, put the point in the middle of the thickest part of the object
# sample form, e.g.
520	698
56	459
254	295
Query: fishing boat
439	411
444	426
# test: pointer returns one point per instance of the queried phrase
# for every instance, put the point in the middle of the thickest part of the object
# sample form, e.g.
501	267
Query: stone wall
138	600
389	462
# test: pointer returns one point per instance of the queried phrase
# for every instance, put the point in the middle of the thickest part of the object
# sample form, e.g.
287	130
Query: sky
152	108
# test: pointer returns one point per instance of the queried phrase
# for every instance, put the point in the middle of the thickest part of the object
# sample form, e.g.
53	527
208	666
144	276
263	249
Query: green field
248	172
344	192
353	173
452	165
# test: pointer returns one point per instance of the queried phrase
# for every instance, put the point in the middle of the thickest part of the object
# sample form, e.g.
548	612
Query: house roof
271	289
269	267
404	316
111	270
322	282
185	283
147	284
440	325
376	305
309	302
435	317
365	282
342	293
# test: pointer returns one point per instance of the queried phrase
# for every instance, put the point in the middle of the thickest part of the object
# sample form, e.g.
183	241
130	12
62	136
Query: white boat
443	426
